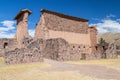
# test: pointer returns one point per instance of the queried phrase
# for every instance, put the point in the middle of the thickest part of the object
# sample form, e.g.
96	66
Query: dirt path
89	70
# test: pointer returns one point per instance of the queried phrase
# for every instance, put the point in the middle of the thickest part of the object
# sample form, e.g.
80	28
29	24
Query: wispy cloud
110	16
7	29
7	25
108	25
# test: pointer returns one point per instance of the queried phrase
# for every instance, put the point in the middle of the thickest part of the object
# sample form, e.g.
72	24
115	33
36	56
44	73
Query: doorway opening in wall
83	56
5	45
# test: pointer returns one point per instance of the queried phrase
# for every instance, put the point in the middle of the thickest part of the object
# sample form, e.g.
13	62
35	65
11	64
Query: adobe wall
74	32
22	28
56	23
92	32
41	29
72	38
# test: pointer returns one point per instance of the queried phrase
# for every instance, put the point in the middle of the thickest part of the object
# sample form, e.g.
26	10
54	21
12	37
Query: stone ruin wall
31	53
56	38
75	32
7	44
55	49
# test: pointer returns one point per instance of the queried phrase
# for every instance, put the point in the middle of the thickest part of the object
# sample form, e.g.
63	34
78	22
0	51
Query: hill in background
111	37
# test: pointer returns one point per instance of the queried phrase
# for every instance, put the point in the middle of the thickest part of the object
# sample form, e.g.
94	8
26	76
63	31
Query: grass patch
1	59
24	66
19	71
33	71
109	63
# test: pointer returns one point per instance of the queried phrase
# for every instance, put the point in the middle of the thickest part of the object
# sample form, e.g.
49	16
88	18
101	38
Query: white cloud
31	32
6	35
6	27
108	25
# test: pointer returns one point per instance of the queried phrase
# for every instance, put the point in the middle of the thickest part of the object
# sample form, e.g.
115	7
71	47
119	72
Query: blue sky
104	14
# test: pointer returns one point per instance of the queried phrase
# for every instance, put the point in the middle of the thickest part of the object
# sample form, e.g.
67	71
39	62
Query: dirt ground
54	70
90	70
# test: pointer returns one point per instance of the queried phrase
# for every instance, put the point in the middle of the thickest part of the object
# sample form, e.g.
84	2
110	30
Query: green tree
102	41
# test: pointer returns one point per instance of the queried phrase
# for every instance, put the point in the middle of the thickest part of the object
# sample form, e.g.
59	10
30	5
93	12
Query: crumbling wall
32	53
7	44
56	49
59	49
104	51
111	52
26	41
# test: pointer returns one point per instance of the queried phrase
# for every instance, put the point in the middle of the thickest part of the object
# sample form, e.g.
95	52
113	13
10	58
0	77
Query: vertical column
22	26
92	31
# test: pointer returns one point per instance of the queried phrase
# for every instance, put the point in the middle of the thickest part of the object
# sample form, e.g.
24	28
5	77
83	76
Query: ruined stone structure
75	31
22	26
58	36
31	53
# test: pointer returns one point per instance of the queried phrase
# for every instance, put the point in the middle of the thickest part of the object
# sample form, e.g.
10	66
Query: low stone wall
105	52
60	50
32	53
55	49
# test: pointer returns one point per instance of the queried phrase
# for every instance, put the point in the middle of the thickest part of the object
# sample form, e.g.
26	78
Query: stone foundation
56	49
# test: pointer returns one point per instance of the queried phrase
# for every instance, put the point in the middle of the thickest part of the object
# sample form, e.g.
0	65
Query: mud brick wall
31	53
57	23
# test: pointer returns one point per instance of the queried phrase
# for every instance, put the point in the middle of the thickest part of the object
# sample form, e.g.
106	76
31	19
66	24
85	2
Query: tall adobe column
22	26
93	37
